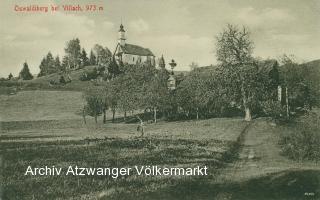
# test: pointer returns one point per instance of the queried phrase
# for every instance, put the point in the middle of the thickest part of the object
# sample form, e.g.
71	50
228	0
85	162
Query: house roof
136	50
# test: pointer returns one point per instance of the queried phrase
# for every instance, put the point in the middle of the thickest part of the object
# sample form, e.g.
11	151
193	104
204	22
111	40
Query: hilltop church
131	54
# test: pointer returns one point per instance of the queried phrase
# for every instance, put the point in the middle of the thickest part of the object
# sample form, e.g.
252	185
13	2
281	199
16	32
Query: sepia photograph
159	100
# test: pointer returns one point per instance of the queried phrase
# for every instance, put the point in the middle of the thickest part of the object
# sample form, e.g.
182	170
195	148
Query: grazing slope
40	105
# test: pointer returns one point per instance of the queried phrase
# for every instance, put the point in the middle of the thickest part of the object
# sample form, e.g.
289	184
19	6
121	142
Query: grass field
41	105
42	132
180	144
44	128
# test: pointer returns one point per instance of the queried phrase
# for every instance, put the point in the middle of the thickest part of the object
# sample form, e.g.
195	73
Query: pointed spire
121	28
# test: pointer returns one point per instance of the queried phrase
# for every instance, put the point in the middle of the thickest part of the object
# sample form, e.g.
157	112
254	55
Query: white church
131	54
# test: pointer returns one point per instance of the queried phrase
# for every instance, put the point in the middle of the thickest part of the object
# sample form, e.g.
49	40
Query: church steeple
122	39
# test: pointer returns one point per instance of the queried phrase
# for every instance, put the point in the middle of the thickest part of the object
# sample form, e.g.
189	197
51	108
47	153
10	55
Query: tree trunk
248	114
155	114
84	116
125	116
247	110
197	113
96	118
113	114
287	102
104	116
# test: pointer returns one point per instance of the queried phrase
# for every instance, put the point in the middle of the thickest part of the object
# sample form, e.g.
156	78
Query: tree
57	64
25	72
43	66
191	93
49	65
104	55
155	91
92	59
300	89
112	97
95	103
83	58
73	53
10	76
234	52
65	64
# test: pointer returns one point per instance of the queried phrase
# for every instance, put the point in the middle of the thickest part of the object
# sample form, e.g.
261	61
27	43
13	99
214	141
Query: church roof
136	50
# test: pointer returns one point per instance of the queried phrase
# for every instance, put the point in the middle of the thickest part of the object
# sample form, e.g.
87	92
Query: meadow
48	130
183	144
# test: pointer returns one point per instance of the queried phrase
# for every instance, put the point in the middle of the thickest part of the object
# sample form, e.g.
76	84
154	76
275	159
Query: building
131	54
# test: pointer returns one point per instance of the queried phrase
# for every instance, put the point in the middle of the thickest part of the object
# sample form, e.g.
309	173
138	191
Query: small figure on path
140	126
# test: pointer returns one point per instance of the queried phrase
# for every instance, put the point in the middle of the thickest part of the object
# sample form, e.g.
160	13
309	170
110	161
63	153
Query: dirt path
261	155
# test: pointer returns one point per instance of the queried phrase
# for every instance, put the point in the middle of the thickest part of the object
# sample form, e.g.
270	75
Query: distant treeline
75	58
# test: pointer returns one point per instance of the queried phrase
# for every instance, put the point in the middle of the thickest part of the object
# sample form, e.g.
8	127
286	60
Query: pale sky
184	30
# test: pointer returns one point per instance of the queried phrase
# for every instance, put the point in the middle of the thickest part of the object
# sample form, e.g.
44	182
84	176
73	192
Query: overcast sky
181	29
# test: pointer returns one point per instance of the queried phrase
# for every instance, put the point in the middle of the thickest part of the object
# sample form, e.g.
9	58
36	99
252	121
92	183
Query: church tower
122	39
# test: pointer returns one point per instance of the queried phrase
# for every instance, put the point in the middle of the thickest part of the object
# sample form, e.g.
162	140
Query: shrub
62	80
273	109
89	75
303	142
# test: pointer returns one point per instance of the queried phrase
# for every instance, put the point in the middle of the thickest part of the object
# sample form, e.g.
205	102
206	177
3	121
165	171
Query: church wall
134	59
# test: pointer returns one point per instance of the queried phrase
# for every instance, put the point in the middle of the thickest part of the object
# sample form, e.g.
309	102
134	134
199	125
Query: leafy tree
129	93
10	76
92	59
73	52
300	89
112	97
239	71
83	58
43	66
191	93
49	65
95	103
65	64
155	92
113	69
57	64
89	75
25	72
104	55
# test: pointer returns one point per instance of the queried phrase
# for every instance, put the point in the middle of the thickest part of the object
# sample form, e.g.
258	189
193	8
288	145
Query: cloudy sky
181	29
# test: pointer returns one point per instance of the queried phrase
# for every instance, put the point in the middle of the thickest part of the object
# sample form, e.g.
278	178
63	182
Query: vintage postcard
160	99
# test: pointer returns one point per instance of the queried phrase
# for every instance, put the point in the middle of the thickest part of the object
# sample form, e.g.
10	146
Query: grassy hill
43	83
41	105
310	71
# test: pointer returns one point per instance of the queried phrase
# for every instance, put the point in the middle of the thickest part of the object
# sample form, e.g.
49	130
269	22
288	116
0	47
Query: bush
273	109
62	80
89	75
303	142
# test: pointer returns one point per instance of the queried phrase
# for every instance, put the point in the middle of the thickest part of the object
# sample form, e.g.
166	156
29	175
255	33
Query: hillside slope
41	105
